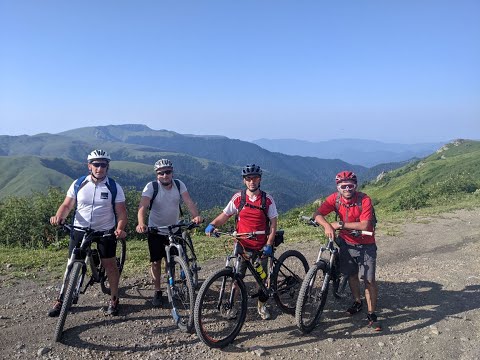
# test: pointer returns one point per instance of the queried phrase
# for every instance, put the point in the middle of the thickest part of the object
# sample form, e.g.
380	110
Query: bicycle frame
82	254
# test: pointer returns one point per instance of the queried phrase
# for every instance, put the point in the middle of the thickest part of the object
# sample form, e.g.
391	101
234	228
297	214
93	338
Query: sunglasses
166	172
252	178
347	186
102	165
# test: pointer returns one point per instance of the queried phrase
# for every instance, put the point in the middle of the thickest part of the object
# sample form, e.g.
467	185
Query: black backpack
263	207
155	193
360	196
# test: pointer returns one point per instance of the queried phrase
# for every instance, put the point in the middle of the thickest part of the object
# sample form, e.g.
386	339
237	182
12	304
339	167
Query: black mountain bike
221	305
313	293
82	258
182	272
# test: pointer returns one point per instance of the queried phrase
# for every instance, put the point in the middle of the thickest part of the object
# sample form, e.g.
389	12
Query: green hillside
454	170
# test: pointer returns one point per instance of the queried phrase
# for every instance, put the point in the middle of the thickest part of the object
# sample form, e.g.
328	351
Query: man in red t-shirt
252	217
358	252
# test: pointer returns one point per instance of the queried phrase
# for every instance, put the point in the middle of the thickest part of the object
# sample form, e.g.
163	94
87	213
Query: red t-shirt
252	219
350	212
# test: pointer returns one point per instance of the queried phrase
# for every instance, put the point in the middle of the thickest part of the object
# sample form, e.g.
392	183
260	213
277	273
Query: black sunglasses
167	172
102	165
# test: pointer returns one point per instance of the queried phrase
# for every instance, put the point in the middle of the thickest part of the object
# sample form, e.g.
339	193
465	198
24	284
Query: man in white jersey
94	210
164	211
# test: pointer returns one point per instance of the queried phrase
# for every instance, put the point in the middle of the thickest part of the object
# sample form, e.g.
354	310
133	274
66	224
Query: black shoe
373	322
157	300
355	308
55	310
113	308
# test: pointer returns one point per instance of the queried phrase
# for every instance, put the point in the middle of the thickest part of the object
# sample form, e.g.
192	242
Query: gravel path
429	303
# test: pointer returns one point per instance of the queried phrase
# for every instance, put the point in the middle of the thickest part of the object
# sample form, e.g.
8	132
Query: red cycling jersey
252	219
349	212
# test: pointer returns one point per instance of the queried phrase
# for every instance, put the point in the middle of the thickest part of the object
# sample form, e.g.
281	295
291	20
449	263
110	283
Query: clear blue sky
396	71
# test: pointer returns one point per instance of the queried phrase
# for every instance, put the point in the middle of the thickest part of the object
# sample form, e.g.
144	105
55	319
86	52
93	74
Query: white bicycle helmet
162	163
98	154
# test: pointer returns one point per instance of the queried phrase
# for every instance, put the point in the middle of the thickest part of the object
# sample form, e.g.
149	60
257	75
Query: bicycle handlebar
237	234
312	222
181	224
86	230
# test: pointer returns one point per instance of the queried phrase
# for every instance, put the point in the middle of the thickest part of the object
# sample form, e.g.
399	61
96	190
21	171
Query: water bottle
170	281
259	269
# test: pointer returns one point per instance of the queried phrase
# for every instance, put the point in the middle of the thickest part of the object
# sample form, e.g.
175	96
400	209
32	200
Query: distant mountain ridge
355	151
210	165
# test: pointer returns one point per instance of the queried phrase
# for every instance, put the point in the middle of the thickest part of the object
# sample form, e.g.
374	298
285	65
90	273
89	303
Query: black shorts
107	246
156	246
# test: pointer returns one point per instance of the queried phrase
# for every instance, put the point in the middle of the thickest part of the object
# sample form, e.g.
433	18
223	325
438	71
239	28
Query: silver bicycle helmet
98	154
162	163
251	169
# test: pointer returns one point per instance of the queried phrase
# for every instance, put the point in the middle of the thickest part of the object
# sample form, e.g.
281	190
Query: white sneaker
263	311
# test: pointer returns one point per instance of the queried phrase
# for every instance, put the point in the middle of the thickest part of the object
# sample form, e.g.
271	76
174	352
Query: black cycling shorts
107	246
156	246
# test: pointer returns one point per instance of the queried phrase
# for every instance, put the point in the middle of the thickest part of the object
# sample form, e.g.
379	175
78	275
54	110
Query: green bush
411	200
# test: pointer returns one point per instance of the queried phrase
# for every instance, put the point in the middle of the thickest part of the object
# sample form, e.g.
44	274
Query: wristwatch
341	223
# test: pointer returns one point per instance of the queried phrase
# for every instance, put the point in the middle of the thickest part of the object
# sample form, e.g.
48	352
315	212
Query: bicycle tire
67	299
191	258
287	277
182	294
214	317
120	256
312	298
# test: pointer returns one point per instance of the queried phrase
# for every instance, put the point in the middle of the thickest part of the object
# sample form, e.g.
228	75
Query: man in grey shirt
165	211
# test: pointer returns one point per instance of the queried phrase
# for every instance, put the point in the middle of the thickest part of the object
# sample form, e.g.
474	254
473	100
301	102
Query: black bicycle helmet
251	169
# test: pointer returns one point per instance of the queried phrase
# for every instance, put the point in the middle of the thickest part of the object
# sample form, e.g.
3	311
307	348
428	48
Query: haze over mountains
209	165
356	151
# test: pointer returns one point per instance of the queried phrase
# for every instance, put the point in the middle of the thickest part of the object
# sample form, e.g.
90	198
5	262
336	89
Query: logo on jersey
104	195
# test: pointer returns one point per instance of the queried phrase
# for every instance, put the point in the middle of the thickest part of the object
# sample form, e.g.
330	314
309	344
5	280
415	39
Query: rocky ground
429	303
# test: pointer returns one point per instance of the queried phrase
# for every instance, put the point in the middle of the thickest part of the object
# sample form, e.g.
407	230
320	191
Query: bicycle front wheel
312	297
182	294
120	256
191	258
74	278
220	308
287	277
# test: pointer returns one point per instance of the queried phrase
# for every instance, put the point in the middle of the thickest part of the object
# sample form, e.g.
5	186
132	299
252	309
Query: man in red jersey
255	211
358	252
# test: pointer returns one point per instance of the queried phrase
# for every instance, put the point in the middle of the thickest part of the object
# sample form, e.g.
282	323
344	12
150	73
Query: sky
405	71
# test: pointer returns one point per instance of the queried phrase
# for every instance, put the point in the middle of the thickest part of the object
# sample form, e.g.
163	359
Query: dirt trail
429	303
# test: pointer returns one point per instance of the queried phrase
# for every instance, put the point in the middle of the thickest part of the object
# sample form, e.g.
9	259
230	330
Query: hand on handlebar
57	220
210	230
141	229
197	219
267	250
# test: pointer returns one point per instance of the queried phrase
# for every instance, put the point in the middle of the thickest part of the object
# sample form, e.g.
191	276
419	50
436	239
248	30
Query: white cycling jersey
94	204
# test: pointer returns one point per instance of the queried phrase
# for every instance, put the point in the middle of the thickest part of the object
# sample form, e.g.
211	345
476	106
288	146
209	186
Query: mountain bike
81	259
221	305
314	290
182	272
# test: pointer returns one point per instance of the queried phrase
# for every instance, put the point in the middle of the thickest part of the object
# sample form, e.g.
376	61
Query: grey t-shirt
165	209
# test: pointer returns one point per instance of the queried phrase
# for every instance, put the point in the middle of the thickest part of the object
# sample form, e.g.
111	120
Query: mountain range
209	165
356	151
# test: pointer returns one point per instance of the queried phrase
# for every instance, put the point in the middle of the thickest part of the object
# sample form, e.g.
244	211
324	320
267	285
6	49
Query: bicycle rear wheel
120	256
182	294
312	297
191	258
220	308
287	277
72	287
